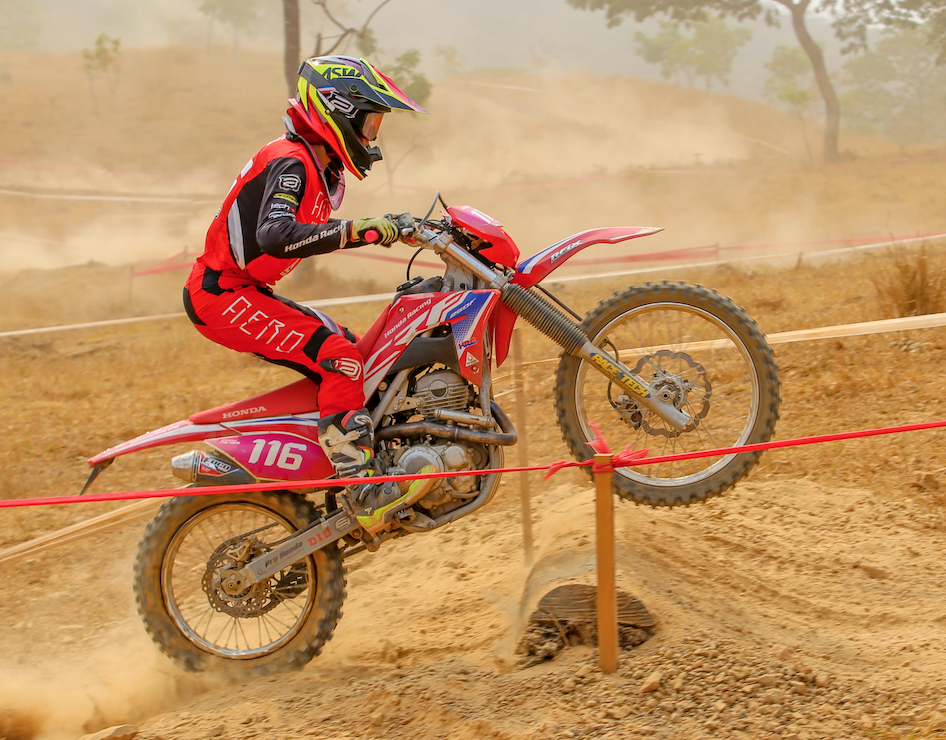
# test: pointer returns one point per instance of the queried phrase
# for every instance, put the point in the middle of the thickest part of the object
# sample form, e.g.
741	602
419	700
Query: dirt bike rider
276	213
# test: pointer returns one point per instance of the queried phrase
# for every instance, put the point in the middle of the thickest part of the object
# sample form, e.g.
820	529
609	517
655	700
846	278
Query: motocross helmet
341	101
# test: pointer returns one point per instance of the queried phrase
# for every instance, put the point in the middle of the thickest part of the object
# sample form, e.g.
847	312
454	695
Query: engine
449	492
441	389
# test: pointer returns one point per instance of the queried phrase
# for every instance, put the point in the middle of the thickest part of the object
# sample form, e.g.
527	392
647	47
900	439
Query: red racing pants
254	320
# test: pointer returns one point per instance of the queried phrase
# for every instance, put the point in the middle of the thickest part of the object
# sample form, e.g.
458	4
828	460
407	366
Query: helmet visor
370	125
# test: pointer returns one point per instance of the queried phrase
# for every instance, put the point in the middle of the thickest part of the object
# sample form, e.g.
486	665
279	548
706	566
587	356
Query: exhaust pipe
507	436
208	469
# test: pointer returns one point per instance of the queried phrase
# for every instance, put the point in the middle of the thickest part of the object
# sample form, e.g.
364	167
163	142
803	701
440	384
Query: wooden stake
523	443
607	595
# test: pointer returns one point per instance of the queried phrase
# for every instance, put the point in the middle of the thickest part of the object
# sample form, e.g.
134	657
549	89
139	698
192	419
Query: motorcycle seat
301	397
370	337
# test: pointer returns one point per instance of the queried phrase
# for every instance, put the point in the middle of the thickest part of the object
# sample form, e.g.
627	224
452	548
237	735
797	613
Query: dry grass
910	282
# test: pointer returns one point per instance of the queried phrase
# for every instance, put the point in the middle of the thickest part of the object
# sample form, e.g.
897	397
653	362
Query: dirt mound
768	626
567	616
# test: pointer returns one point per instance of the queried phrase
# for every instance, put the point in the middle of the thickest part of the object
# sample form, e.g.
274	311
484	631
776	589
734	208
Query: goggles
370	125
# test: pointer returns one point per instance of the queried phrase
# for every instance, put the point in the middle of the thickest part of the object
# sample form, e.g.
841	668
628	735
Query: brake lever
406	226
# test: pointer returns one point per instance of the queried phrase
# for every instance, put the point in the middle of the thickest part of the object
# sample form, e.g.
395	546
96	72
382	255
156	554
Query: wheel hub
231	582
669	387
229	592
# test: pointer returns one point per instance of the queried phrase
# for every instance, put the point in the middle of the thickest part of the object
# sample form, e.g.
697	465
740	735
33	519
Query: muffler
208	469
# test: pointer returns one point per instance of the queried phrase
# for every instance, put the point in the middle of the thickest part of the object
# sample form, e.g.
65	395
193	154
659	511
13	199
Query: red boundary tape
625	458
670	255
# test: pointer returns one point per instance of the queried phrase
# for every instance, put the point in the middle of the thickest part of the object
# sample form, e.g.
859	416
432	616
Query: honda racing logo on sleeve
319	236
292	183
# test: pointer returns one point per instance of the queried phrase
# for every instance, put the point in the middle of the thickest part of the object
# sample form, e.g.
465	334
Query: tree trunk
292	44
832	108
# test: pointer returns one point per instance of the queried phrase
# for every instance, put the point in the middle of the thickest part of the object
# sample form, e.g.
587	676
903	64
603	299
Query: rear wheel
199	619
697	350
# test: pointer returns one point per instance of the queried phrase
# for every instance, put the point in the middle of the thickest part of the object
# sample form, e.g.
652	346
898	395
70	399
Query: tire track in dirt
761	596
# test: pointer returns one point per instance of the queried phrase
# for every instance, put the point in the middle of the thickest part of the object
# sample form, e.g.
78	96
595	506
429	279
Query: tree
714	49
789	83
404	68
408	77
324	44
102	60
851	19
707	55
451	60
897	90
239	15
668	48
292	47
20	24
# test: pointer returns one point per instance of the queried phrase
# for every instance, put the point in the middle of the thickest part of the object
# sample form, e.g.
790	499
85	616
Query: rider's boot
348	441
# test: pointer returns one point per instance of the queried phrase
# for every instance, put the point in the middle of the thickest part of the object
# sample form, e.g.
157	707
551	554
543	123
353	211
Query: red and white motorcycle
255	580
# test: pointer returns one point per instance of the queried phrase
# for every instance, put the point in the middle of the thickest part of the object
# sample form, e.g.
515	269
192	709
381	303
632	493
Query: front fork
633	385
563	330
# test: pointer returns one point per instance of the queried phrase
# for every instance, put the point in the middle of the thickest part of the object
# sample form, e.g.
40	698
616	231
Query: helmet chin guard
340	102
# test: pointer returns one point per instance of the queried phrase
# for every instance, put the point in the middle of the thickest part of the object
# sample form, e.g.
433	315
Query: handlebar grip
371	235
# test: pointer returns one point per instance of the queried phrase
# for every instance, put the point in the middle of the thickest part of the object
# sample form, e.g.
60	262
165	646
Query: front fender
532	270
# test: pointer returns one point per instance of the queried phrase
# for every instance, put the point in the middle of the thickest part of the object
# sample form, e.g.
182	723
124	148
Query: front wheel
191	548
697	350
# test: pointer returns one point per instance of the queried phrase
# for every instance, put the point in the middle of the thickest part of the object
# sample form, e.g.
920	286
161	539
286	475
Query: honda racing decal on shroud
401	329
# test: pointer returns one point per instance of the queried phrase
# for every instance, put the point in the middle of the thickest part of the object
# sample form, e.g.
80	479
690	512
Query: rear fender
179	431
534	269
303	425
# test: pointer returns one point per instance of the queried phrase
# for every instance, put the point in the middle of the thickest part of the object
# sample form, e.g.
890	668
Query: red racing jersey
276	213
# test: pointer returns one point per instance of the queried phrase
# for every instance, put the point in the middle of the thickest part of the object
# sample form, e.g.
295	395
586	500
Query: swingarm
320	534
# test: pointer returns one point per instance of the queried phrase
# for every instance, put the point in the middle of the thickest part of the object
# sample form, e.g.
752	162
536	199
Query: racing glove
372	231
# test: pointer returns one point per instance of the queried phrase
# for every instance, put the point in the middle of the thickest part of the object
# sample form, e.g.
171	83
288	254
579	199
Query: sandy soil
786	609
806	603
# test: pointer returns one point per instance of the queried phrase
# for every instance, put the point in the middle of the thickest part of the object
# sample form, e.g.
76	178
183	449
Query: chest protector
225	247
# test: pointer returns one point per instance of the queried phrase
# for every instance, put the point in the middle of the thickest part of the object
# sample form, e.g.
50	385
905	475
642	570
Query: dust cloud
124	679
176	129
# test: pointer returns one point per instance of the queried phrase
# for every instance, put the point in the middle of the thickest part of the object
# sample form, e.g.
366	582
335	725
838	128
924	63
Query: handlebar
439	239
414	237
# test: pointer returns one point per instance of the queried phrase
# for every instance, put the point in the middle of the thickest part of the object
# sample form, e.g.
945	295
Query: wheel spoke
693	343
195	612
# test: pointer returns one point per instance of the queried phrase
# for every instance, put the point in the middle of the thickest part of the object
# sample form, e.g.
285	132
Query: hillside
711	168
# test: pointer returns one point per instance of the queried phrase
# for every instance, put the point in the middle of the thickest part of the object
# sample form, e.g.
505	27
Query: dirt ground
806	603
